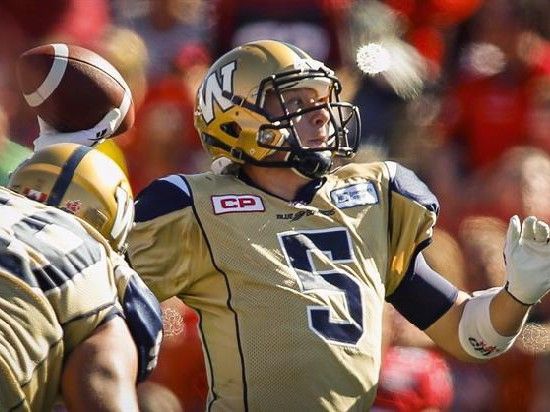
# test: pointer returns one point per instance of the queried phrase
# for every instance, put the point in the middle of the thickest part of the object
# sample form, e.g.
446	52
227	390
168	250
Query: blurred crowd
456	90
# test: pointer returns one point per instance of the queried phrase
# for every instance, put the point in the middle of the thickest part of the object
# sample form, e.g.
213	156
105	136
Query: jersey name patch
237	204
355	195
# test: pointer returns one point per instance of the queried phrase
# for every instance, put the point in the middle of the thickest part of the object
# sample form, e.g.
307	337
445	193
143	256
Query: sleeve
143	317
163	242
422	284
413	211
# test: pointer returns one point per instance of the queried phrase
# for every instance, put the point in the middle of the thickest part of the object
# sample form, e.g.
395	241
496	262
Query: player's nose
320	118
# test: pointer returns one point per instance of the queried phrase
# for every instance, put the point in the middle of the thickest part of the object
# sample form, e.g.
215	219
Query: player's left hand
527	257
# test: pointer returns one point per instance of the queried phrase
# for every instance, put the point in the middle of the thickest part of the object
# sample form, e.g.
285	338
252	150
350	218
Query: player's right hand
527	257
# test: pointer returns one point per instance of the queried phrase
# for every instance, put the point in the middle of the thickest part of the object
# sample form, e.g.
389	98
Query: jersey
59	281
289	295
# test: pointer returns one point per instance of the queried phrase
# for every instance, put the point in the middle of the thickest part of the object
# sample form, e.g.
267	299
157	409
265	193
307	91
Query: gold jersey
56	286
290	295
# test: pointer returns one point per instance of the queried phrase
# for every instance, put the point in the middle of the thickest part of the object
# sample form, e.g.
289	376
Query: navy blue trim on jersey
4	243
94	312
304	195
60	268
406	183
160	198
17	266
423	295
113	313
144	319
309	190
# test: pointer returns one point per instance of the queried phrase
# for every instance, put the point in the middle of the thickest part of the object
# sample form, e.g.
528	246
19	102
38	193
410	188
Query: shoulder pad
406	183
161	197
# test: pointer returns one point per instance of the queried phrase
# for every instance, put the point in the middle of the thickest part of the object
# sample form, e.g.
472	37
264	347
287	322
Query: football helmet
82	181
233	123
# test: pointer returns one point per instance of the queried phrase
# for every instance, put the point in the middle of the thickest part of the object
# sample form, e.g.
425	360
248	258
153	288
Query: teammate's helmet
233	123
83	181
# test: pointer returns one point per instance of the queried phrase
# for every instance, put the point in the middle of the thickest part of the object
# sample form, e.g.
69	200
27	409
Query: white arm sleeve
477	334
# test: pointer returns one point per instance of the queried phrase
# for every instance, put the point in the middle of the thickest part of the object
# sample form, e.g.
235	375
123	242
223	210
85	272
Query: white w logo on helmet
212	91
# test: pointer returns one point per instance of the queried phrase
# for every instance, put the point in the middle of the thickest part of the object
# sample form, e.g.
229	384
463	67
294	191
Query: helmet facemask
342	124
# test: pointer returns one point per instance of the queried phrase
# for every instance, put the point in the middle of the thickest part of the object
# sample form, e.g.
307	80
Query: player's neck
281	182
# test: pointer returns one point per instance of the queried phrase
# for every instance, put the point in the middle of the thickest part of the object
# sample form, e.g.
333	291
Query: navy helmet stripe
66	176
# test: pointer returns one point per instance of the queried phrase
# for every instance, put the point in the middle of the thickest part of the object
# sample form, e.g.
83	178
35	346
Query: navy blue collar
305	194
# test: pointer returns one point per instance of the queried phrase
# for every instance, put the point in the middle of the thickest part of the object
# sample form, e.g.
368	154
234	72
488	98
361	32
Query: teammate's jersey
290	295
57	284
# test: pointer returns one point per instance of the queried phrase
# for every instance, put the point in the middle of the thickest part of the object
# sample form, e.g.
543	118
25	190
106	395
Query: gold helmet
83	181
233	123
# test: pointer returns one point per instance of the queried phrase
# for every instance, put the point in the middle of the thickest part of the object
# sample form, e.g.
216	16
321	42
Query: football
72	88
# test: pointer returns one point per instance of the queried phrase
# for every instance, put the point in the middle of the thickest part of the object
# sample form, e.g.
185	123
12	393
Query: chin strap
309	164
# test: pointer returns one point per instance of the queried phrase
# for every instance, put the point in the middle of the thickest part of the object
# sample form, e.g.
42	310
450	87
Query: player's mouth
320	141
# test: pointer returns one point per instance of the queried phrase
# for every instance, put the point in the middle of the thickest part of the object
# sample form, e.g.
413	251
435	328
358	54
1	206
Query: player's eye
294	104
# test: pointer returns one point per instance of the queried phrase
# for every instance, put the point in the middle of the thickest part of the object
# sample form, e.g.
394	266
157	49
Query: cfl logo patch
358	194
237	204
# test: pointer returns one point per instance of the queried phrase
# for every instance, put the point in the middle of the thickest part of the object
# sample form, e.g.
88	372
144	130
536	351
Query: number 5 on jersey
334	244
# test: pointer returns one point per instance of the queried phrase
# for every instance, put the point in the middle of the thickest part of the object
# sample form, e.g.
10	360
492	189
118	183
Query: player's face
312	127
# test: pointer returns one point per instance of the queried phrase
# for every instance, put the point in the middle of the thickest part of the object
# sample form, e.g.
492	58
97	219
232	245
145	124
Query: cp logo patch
237	204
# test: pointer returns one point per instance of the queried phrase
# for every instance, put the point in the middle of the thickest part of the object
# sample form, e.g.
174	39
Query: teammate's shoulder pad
161	197
405	182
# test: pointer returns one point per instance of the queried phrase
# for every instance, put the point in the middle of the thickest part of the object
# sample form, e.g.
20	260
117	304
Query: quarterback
78	324
288	260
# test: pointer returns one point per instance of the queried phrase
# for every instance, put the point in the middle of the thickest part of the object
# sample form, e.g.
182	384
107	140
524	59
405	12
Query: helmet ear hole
95	217
231	128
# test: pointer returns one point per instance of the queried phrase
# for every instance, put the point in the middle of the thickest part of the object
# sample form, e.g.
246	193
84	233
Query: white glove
527	257
89	137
